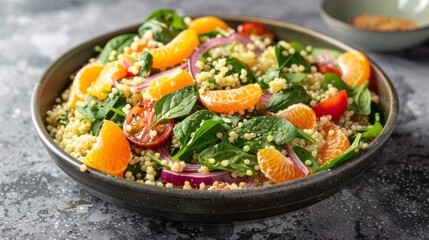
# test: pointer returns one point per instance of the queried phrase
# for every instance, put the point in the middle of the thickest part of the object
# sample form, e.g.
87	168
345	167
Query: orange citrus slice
85	77
277	167
207	24
103	85
165	85
355	68
336	142
111	152
300	115
234	100
175	51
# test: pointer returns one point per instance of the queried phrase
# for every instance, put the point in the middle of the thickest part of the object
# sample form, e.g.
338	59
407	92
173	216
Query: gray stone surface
38	201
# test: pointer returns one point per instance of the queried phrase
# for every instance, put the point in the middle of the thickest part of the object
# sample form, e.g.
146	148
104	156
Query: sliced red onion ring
165	155
195	179
263	101
296	160
217	42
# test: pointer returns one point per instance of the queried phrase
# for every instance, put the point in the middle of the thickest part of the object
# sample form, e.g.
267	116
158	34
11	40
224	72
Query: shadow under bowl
200	205
338	13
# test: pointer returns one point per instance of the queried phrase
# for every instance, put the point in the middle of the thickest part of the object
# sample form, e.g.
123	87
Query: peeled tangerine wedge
234	100
112	151
175	51
300	115
84	78
277	167
355	68
165	85
103	85
336	142
207	24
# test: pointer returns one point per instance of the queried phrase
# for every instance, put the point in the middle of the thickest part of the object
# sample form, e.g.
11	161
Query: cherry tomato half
140	117
327	69
254	29
335	106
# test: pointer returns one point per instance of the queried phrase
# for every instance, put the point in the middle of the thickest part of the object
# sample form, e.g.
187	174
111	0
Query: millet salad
196	104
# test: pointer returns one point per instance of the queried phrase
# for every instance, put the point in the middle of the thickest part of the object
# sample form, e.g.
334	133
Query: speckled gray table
38	201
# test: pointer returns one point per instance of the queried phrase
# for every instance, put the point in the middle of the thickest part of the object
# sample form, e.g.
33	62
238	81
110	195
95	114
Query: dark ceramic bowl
209	206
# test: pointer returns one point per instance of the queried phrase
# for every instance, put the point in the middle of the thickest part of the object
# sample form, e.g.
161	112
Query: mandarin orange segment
207	24
300	115
355	68
85	77
111	152
175	51
277	167
163	86
103	84
336	142
233	100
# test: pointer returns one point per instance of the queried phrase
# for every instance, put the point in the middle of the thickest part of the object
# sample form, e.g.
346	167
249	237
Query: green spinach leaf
287	61
145	58
375	130
107	109
290	77
170	17
267	131
204	136
349	153
297	45
303	155
236	158
292	95
175	104
237	66
160	31
182	130
117	44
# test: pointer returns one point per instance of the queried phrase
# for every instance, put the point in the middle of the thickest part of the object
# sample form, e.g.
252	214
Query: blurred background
38	200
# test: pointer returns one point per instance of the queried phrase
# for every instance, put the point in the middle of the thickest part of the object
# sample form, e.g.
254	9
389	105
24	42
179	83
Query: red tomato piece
326	69
335	106
254	29
137	126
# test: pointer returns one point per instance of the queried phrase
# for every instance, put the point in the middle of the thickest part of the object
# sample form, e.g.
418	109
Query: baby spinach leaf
297	45
234	155
170	17
292	95
375	130
175	104
287	61
204	136
160	31
280	130
117	44
349	153
107	109
362	100
289	77
203	37
182	130
303	155
237	66
146	58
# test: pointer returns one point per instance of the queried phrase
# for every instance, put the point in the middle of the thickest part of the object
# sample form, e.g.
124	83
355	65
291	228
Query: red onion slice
217	42
165	155
195	179
296	160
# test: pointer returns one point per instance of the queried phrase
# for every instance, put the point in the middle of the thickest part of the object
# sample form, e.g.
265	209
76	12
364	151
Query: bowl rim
195	194
343	24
